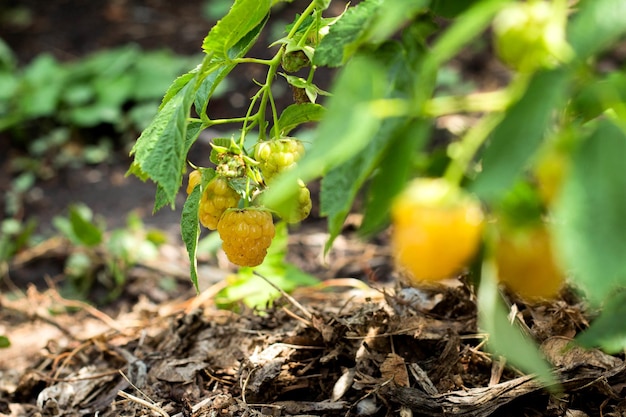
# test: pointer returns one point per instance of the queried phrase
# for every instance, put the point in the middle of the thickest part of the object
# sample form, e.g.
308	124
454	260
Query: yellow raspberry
526	263
217	197
246	235
277	155
195	178
437	229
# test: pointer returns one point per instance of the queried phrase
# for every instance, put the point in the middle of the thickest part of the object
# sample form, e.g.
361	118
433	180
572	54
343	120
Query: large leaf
392	174
507	339
160	150
214	70
345	35
597	24
607	330
520	133
392	16
590	213
341	185
351	122
242	18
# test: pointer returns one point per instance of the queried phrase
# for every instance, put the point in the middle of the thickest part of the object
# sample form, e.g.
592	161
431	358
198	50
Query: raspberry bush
559	104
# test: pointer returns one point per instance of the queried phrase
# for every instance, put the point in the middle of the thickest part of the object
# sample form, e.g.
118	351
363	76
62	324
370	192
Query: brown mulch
343	348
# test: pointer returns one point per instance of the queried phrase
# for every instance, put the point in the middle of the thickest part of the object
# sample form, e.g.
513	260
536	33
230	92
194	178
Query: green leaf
350	123
42	86
392	16
242	18
8	61
216	71
595	96
607	331
178	84
507	339
345	35
194	128
590	220
518	136
392	174
190	231
154	72
450	8
160	150
295	115
84	228
4	342
342	183
311	89
596	25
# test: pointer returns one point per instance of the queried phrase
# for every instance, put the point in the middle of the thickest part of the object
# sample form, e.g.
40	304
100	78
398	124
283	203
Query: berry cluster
240	180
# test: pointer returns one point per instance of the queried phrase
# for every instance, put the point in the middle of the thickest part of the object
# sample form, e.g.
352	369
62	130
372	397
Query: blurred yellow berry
437	229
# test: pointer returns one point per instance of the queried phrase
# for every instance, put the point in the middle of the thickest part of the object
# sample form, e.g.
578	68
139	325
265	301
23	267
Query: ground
360	343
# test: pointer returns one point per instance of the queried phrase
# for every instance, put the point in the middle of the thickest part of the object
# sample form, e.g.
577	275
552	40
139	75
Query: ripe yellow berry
246	235
217	197
526	263
436	229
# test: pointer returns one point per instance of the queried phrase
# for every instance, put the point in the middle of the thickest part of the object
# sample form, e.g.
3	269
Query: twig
292	300
145	403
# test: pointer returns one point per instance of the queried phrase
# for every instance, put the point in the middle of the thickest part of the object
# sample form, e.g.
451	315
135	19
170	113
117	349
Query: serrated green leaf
242	18
507	339
596	25
350	123
160	199
519	135
83	228
178	84
392	174
607	331
190	231
590	220
295	115
345	35
217	71
160	150
194	129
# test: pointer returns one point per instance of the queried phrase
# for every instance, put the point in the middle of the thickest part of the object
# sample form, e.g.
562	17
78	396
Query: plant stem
251	61
478	102
267	92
